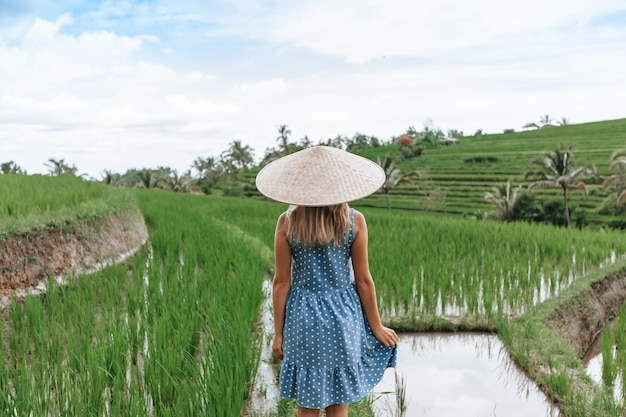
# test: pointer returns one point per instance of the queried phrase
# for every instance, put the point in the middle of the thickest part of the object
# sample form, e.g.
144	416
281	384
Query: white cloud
363	30
259	91
188	81
88	92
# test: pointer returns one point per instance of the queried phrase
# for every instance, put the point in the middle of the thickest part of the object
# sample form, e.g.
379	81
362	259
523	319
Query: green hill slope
455	178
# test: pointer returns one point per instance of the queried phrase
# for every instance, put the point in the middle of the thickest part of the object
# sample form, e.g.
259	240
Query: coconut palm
283	138
241	156
557	169
205	166
150	178
358	142
58	167
545	120
111	178
618	181
10	168
504	199
179	183
305	142
394	177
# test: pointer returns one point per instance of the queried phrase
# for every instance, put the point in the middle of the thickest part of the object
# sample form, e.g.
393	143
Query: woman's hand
386	336
277	347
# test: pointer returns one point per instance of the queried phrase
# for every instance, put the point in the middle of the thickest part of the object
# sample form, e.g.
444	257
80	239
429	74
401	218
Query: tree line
230	173
558	169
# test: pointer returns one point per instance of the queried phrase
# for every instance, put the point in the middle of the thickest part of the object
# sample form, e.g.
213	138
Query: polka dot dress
331	355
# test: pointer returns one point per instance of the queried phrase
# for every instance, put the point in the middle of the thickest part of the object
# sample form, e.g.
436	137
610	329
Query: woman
327	329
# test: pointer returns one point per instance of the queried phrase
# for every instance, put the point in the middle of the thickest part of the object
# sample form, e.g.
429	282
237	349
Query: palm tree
182	183
394	176
205	166
504	199
239	155
337	141
545	120
10	168
618	181
357	143
557	169
111	178
59	167
283	139
149	178
305	142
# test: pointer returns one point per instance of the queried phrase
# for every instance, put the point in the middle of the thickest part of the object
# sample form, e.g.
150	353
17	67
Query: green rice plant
431	266
455	187
173	337
609	368
618	330
173	331
218	352
6	392
35	201
402	402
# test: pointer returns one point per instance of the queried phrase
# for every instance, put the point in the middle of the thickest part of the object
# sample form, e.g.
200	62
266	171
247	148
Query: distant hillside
456	177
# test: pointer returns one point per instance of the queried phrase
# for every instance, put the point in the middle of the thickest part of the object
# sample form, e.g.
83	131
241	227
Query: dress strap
351	234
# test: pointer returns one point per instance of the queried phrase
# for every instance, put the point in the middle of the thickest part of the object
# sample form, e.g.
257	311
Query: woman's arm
281	283
365	284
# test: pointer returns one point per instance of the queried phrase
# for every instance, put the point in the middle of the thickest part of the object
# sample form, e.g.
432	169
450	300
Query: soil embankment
579	320
28	259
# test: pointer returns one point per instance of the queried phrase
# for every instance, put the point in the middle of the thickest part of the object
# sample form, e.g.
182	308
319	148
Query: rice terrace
123	297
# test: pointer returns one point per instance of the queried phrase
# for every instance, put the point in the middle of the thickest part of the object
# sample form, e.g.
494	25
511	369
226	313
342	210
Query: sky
116	84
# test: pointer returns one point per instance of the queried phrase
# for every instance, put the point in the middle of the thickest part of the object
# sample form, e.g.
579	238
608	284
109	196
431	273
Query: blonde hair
319	226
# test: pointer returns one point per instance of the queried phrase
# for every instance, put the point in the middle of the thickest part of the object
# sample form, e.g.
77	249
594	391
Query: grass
550	361
462	267
172	337
153	331
454	171
35	201
455	178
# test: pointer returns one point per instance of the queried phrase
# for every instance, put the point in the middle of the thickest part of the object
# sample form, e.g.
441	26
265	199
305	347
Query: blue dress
331	355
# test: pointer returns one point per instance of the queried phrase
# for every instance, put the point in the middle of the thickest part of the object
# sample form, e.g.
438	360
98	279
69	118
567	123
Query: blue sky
131	84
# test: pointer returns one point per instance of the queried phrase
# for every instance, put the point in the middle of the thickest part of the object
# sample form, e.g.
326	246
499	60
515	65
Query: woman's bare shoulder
359	220
281	223
358	215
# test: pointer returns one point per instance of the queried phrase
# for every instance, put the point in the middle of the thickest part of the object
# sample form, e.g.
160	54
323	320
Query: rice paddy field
175	330
33	201
454	179
172	333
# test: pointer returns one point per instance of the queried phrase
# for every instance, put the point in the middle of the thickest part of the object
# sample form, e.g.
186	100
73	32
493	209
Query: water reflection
460	374
593	363
265	393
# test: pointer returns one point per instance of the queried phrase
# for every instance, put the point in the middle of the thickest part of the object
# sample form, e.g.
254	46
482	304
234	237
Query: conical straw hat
320	176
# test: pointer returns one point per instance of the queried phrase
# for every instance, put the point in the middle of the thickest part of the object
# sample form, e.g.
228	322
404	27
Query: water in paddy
460	374
592	361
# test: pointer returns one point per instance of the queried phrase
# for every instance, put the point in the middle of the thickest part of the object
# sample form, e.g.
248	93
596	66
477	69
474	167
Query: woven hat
320	176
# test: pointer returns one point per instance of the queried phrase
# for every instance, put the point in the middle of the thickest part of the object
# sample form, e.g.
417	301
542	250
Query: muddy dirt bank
28	259
578	321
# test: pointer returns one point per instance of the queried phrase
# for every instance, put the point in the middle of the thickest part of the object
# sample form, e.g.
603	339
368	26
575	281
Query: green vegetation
34	201
175	337
613	348
176	334
551	361
460	267
454	174
455	178
617	182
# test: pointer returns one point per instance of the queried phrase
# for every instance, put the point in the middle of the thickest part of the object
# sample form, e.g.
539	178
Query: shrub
481	159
